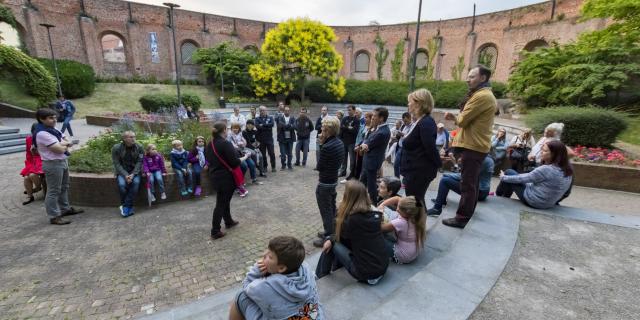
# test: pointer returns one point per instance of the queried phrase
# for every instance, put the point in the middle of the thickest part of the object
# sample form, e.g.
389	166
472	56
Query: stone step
11	136
7	130
12	149
10	143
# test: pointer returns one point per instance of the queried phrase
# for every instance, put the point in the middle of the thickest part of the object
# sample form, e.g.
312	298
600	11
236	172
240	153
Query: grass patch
13	93
123	97
632	134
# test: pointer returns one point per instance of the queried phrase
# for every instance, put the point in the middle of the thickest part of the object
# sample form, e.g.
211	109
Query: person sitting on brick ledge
127	164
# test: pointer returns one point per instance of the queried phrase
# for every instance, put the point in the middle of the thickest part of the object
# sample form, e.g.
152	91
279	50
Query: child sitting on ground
180	165
198	163
388	189
410	229
278	286
154	169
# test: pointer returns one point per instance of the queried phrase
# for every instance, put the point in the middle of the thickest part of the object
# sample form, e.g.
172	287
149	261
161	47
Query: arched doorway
114	55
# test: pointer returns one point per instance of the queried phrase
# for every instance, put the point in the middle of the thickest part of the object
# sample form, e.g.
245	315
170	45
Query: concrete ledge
108	121
101	190
11	111
607	177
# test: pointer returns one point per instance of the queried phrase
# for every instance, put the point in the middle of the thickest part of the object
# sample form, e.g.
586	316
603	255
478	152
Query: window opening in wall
362	62
187	50
113	49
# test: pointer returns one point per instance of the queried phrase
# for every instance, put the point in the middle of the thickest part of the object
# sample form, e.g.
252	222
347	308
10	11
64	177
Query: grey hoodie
280	296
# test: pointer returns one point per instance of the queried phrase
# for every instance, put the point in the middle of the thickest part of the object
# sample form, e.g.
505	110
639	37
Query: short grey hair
331	125
128	133
263	108
557	128
359	109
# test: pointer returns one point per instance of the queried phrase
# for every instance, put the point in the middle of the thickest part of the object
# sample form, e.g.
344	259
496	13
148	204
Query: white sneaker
244	194
163	196
152	197
343	181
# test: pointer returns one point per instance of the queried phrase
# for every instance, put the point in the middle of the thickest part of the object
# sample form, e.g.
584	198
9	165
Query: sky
346	12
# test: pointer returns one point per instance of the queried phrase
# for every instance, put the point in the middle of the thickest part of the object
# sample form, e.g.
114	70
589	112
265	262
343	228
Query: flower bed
605	156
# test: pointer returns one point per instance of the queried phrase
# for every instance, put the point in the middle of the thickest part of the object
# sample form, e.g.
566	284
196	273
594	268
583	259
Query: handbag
236	172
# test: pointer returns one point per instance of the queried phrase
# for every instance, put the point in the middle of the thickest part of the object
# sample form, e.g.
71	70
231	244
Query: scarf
53	131
470	93
201	159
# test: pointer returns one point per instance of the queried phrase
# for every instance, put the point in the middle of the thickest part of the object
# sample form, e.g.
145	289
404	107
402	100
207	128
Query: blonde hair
148	148
331	125
176	143
409	207
354	200
236	125
424	98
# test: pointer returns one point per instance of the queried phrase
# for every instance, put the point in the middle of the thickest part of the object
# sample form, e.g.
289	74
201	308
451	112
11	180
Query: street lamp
172	6
53	57
415	50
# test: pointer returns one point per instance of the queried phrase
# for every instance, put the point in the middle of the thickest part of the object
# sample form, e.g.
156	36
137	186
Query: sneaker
125	212
163	196
131	211
434	212
189	190
375	281
59	221
122	213
152	197
184	193
244	193
198	191
343	181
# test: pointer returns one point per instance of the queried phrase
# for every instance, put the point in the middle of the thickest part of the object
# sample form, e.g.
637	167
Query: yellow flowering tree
295	49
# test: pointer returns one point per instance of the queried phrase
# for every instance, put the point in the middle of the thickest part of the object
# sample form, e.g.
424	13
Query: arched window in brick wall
488	55
535	44
362	61
113	48
187	49
422	59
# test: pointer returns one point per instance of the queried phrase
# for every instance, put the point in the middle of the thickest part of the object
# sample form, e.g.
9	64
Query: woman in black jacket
420	159
358	243
221	177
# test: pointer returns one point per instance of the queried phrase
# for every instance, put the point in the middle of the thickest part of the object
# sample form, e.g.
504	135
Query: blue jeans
302	145
396	162
156	176
197	170
286	153
339	256
129	191
249	164
506	189
181	179
66	124
452	183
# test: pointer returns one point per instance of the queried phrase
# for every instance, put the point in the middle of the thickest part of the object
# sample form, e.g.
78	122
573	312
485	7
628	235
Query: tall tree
295	49
227	61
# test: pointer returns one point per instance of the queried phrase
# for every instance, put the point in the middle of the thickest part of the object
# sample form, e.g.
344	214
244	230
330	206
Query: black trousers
224	193
417	183
326	198
369	179
264	148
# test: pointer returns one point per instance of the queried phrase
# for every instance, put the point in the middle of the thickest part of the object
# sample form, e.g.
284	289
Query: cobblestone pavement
102	266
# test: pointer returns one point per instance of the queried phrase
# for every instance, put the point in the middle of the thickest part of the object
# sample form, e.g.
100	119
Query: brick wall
78	35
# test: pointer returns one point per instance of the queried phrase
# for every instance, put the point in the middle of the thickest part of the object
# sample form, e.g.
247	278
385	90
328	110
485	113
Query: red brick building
123	39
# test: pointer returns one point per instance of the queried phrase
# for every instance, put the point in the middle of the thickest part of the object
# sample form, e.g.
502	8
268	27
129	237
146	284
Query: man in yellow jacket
473	140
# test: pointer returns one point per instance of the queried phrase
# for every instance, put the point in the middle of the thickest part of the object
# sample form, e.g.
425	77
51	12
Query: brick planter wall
607	177
108	121
101	190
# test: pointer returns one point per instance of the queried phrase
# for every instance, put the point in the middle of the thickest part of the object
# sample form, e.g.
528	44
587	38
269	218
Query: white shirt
240	118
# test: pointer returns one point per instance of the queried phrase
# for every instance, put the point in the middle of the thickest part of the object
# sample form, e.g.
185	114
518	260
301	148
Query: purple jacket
153	163
193	160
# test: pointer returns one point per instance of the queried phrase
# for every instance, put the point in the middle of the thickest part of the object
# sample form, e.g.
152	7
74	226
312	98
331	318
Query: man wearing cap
442	137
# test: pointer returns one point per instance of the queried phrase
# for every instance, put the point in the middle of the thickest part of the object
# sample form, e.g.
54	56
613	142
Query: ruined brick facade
81	24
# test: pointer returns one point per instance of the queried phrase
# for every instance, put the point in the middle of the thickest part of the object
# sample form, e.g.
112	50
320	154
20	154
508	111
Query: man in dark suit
349	127
374	148
286	137
264	124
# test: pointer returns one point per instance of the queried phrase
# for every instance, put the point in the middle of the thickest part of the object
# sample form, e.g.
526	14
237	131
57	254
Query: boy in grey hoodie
279	286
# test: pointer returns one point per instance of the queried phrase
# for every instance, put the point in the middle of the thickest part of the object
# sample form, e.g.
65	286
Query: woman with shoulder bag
519	148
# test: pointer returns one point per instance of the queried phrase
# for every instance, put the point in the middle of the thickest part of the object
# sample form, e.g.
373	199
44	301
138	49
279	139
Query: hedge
29	72
586	126
157	102
76	79
447	94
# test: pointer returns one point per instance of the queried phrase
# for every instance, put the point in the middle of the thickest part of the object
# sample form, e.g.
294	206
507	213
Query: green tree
295	49
230	61
396	62
457	69
381	55
601	67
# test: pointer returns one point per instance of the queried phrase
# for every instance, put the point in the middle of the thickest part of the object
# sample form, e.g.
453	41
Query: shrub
447	94
29	72
76	79
158	102
586	126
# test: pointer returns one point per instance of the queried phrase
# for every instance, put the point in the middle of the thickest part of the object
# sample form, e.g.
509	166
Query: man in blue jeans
66	109
127	163
286	124
451	181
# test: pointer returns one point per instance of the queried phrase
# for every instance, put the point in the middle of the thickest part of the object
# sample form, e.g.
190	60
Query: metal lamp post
53	57
415	50
172	6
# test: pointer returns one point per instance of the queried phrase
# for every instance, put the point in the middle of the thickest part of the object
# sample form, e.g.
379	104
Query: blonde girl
410	229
